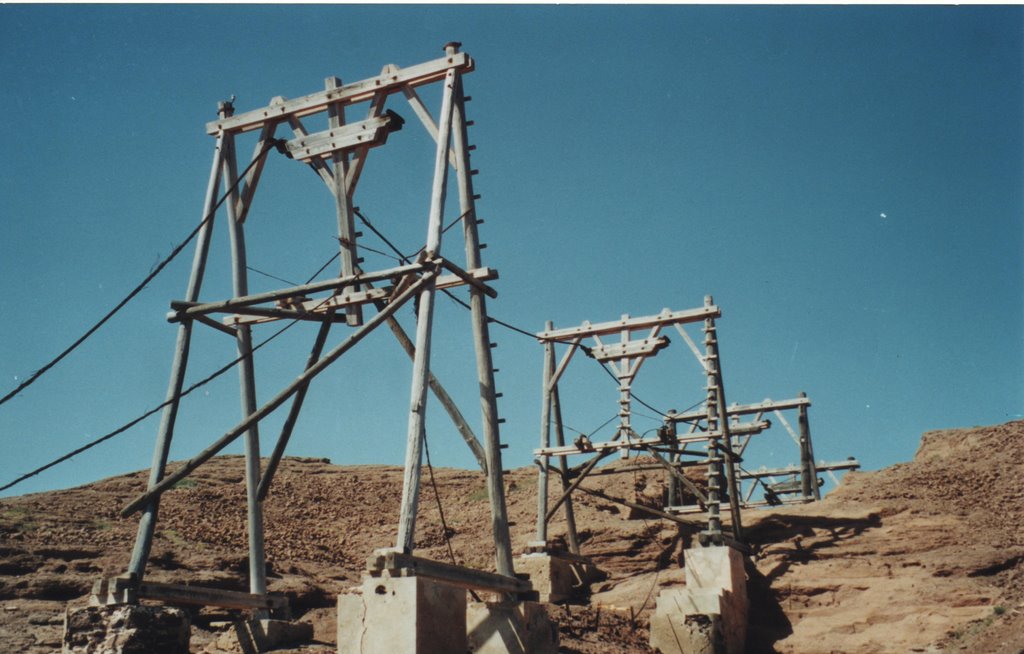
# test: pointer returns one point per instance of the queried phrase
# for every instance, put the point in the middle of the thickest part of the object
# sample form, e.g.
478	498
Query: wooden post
247	381
720	441
147	522
343	202
481	331
809	473
424	324
563	466
545	439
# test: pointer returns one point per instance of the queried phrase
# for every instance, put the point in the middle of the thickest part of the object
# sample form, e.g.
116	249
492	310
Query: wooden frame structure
625	358
337	155
715	425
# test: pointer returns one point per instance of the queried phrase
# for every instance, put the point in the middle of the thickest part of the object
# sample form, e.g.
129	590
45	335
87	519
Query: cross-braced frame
363	300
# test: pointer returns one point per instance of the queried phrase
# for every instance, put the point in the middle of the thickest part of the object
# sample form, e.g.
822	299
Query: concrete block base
255	636
126	629
510	628
413	615
558	577
709	615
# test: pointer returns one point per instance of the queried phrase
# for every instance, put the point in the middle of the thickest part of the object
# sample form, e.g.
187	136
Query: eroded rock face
126	630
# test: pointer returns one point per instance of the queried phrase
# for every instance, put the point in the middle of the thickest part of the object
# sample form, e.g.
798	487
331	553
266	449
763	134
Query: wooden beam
191	309
630	349
368	133
196	595
397	563
666	317
743	409
392	82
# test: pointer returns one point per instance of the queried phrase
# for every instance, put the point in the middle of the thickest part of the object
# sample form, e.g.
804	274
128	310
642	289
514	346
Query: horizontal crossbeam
849	464
666	317
186	309
390	82
350	298
398	563
630	349
743	409
365	133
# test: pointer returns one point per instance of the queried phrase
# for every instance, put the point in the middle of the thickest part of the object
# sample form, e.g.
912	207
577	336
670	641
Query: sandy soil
926	556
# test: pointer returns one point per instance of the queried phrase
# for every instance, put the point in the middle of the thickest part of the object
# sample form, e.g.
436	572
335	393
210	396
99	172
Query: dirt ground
924	556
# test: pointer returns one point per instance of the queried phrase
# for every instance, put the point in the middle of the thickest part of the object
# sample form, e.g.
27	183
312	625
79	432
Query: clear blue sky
846	182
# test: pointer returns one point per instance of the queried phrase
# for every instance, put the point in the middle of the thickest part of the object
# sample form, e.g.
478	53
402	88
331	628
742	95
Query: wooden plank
398	563
312	103
630	349
666	317
197	595
369	133
849	464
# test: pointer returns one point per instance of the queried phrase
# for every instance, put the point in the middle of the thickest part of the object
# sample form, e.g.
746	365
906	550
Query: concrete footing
510	628
413	615
255	636
126	629
559	576
708	615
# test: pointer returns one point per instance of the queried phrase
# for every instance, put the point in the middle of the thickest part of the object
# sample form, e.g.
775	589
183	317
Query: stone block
510	628
126	629
413	615
558	577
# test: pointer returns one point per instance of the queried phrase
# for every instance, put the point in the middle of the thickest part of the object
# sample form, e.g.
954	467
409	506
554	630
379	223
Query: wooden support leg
563	466
545	438
247	381
424	324
147	522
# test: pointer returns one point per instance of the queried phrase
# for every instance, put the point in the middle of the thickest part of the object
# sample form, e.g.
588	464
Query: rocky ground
926	556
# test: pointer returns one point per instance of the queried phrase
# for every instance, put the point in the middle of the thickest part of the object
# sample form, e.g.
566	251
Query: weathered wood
246	378
397	563
423	113
849	464
666	317
368	133
545	438
693	346
362	91
293	414
344	298
199	596
252	178
358	161
609	446
563	364
743	409
343	203
629	349
179	365
563	467
424	326
191	309
278	399
481	334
